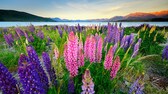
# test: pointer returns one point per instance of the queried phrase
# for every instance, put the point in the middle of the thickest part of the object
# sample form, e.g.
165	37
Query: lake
124	24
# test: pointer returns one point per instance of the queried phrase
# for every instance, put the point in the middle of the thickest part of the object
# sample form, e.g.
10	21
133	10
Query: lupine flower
47	63
31	28
7	82
131	39
92	49
108	59
123	42
71	87
152	29
31	38
86	47
19	32
136	87
136	48
115	48
48	40
66	56
121	34
56	52
117	35
54	77
165	53
69	29
79	28
155	37
88	85
23	58
60	31
9	40
115	67
80	54
99	49
71	54
40	34
33	57
27	37
29	77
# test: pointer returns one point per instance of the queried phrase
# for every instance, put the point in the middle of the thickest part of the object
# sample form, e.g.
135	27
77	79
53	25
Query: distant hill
12	15
140	16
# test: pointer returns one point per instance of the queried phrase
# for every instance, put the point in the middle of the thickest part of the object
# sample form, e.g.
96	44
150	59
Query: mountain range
12	15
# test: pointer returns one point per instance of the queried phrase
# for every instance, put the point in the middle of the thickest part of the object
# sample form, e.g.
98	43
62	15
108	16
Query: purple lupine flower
123	42
136	48
136	88
31	28
71	87
19	32
121	34
27	37
79	29
7	82
69	29
23	58
117	35
88	85
33	57
31	38
60	31
47	63
120	25
9	39
165	53
16	37
73	28
131	39
48	40
115	48
54	77
29	77
10	36
40	34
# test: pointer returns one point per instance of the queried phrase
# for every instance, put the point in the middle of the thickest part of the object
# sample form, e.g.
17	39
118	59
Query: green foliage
150	41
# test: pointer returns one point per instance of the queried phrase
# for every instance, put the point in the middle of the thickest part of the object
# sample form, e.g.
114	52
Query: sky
84	9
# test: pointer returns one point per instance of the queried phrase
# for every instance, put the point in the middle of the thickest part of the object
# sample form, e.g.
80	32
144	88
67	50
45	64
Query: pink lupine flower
99	49
108	59
92	49
71	54
86	47
115	67
66	56
56	53
80	54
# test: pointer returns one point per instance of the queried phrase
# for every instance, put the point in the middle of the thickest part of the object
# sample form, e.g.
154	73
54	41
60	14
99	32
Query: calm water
124	24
